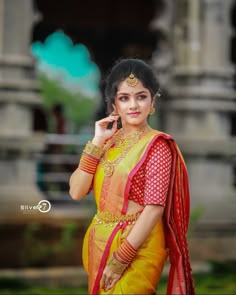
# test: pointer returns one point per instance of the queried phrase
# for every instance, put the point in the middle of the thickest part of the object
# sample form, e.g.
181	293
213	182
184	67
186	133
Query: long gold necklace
120	141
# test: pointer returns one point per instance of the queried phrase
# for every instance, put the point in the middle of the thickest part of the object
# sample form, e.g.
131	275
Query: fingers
111	284
107	285
105	282
106	123
106	127
102	282
109	281
109	118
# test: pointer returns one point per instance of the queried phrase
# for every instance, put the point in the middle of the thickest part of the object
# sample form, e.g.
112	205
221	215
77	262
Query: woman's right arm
81	181
82	178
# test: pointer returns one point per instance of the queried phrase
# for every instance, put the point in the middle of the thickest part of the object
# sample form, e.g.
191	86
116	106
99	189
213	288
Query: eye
142	96
123	98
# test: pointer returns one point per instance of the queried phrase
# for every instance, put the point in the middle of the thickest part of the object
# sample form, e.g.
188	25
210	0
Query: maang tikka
132	81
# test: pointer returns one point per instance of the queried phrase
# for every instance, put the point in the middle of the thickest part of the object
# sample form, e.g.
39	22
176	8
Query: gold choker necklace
118	140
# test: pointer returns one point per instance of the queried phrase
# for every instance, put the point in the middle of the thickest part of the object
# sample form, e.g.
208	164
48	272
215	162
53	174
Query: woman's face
133	104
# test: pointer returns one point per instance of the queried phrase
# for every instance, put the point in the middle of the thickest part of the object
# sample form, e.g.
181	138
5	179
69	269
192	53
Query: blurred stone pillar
18	95
162	58
197	107
162	24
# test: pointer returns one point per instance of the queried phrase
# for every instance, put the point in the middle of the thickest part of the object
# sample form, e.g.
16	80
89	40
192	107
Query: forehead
125	88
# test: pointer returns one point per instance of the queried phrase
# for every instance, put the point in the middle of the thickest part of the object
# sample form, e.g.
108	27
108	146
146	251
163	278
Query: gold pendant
108	169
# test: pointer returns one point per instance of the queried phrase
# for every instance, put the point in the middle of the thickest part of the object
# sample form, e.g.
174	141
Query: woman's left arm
157	179
149	217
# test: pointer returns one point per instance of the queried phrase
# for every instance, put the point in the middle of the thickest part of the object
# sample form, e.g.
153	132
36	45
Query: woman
141	190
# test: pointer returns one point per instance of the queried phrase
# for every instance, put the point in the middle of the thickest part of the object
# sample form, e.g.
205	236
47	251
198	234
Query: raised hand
101	129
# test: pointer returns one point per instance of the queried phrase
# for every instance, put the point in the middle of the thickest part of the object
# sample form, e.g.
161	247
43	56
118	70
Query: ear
153	101
114	113
114	107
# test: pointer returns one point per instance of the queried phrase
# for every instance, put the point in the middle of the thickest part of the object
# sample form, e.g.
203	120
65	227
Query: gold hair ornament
132	81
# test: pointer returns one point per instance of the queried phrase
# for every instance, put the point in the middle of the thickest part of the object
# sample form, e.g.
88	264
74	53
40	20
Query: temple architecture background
195	58
18	96
191	45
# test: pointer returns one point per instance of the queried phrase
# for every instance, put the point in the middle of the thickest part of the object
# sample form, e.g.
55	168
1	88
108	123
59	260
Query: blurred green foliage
36	250
215	282
195	216
78	108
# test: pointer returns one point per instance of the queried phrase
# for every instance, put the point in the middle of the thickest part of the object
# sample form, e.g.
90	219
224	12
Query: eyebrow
140	92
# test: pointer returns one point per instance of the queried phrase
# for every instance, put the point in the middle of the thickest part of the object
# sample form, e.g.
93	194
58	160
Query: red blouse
150	183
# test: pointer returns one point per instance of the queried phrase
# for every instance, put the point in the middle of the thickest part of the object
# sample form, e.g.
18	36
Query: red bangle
125	253
88	163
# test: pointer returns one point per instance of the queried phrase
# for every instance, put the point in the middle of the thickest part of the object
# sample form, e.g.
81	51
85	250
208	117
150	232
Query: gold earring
152	111
114	113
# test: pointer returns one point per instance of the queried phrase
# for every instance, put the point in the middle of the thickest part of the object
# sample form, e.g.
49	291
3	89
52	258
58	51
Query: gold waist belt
110	219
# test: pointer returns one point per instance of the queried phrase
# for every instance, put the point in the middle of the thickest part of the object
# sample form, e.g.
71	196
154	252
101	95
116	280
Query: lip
133	114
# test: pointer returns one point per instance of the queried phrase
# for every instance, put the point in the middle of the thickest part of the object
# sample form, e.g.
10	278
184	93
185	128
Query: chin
135	122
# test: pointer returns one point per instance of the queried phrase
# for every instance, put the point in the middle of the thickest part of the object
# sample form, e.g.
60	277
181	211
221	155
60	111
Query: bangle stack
90	158
125	253
121	258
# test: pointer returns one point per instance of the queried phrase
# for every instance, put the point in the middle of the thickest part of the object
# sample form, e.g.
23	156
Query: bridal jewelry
132	81
120	141
152	111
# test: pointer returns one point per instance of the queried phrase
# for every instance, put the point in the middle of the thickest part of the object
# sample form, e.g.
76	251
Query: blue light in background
60	59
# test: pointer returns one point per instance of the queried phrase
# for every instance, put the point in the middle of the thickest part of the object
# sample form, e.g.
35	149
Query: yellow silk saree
111	225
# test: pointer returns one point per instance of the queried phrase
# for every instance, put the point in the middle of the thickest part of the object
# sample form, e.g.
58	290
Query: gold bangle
116	266
93	150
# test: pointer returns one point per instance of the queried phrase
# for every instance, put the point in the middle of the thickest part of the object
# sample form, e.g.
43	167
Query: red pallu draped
176	218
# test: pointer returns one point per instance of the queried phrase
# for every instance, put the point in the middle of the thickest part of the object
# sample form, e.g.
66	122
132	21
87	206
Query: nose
133	103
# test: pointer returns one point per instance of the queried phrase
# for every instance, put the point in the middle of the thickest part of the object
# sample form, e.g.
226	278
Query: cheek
147	106
120	107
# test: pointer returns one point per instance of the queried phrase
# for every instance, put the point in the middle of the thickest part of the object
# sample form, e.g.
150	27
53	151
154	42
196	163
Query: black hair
122	69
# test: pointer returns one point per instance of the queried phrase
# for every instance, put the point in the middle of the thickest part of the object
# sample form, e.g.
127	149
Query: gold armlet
116	266
93	150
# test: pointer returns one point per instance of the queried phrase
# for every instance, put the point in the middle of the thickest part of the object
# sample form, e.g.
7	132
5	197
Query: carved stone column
198	106
18	94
